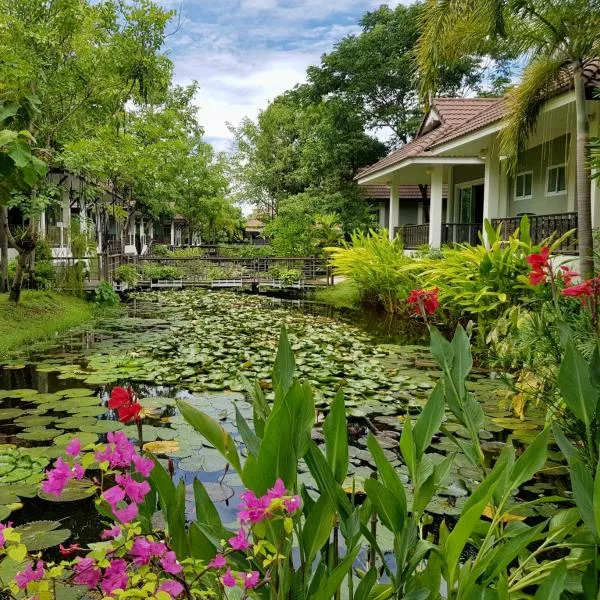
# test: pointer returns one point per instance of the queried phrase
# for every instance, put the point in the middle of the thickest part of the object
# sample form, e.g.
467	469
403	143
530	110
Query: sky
243	53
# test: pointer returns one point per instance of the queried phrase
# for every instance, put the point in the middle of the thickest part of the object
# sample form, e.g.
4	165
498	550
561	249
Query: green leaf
7	111
531	461
429	420
335	430
366	584
213	432
206	512
163	484
407	447
6	135
249	438
336	577
575	386
553	586
284	367
583	491
317	527
388	507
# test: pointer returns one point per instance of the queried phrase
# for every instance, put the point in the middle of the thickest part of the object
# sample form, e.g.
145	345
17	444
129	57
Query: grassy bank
341	295
38	315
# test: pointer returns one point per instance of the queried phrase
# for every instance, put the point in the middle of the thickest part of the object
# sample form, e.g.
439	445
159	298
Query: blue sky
245	52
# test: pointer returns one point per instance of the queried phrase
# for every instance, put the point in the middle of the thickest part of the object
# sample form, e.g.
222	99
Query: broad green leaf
336	577
206	512
335	430
575	386
583	490
284	367
213	432
429	420
407	447
553	586
366	584
388	507
531	461
7	136
317	527
249	438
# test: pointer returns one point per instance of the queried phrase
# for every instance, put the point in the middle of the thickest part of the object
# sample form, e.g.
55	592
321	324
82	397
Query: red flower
69	551
426	300
568	274
540	266
579	290
124	401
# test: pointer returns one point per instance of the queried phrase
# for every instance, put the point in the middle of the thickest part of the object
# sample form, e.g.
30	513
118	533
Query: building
457	146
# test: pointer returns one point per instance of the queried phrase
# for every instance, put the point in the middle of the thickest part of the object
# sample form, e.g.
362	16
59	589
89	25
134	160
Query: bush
161	250
378	268
105	295
161	272
45	275
128	274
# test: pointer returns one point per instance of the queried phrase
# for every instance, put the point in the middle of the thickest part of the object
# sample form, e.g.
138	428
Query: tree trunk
3	249
17	284
584	198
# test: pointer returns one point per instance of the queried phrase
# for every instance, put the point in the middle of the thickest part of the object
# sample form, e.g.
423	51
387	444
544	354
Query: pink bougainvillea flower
73	448
114	495
173	588
252	508
115	576
169	563
239	541
127	514
119	452
135	490
293	503
218	562
111	534
277	491
578	291
228	579
31	573
251	579
78	472
57	478
427	299
143	550
143	465
87	573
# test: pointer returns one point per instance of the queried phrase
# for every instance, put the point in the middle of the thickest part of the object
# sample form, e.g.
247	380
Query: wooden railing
413	236
543	226
461	233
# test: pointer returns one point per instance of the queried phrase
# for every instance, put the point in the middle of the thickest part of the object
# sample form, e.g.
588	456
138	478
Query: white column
595	197
435	209
172	233
42	231
451	202
394	208
420	213
491	190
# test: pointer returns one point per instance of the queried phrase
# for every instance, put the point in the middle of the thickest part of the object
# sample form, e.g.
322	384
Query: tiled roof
461	116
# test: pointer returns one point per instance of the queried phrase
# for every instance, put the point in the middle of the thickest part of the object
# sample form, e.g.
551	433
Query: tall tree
556	38
375	71
83	62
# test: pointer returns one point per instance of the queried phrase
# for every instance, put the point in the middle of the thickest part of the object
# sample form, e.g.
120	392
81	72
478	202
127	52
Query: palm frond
452	29
525	102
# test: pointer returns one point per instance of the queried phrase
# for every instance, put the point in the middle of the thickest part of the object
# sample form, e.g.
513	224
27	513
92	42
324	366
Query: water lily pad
87	411
39	435
102	427
77	392
165	447
192	464
83	436
39	535
34	421
10	413
22	393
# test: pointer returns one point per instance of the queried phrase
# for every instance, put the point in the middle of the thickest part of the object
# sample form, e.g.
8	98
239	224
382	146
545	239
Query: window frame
557	192
522	174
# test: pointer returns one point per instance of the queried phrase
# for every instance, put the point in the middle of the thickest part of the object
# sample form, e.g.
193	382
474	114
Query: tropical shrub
127	274
160	250
151	271
377	266
105	295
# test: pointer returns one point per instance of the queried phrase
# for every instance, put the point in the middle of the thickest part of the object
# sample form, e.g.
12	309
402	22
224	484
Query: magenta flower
173	588
143	550
228	579
293	503
78	471
57	478
252	508
251	580
169	563
239	541
31	573
127	514
143	465
135	490
115	576
87	573
114	495
73	448
218	562
111	534
277	491
2	528
119	452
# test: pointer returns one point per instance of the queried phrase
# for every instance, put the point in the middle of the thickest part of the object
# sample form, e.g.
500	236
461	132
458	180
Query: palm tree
555	38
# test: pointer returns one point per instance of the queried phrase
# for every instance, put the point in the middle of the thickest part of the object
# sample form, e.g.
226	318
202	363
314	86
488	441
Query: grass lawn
341	295
38	315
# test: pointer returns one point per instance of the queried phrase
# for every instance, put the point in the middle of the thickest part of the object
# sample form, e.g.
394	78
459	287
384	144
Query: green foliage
128	274
105	295
286	276
377	267
164	272
160	250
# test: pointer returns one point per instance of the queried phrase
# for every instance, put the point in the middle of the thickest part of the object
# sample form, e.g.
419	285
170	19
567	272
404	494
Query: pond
198	345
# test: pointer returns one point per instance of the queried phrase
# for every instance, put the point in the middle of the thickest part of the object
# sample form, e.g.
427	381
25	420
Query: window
523	185
557	180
